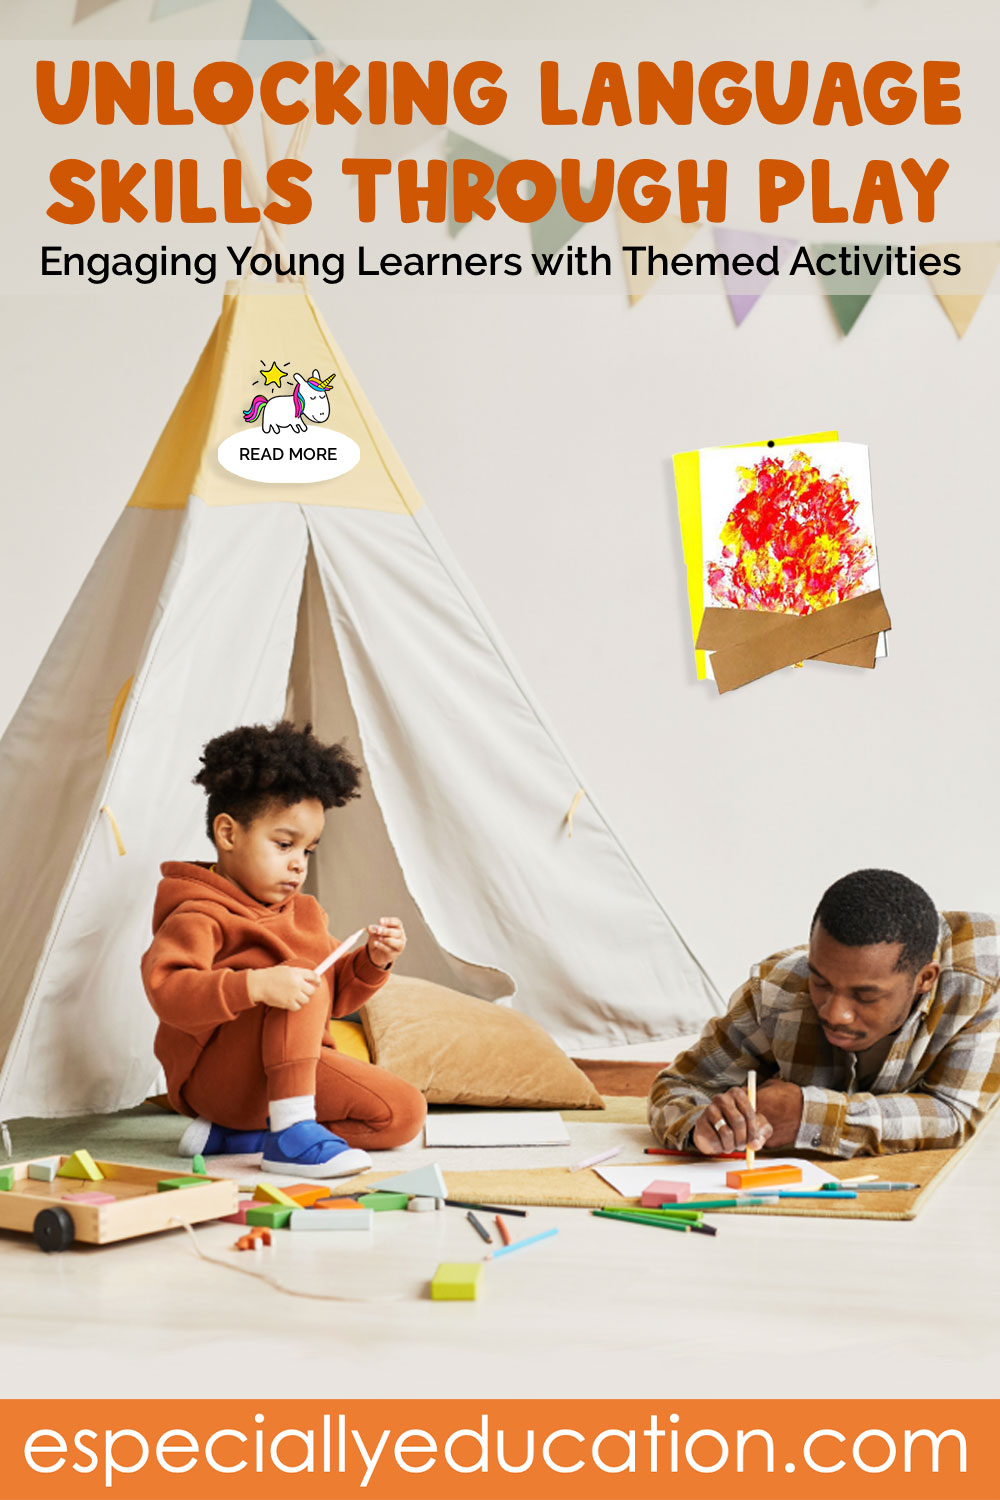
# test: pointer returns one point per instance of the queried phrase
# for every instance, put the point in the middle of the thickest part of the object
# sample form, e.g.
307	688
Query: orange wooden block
306	1193
337	1203
751	1177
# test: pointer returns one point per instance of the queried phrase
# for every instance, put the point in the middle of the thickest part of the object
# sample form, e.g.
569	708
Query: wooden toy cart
47	1210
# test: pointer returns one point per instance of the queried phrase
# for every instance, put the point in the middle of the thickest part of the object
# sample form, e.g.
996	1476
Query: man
882	1036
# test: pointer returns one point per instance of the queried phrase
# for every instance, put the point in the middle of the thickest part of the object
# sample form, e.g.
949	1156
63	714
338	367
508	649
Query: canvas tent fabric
217	601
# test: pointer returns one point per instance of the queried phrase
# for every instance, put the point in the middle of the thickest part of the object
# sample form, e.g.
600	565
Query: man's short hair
881	906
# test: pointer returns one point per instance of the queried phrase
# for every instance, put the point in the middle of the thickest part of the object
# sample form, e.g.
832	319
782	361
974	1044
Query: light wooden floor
799	1307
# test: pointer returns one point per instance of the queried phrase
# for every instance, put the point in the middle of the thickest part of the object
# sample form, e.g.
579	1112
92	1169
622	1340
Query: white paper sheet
509	1127
704	1176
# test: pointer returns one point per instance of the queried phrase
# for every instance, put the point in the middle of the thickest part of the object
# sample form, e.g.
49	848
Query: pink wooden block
89	1198
240	1216
665	1192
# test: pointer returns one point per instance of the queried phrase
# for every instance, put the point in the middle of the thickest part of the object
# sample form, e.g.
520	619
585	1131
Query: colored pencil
887	1187
480	1229
502	1230
487	1208
691	1215
752	1095
592	1161
850	1181
819	1193
703	1229
345	947
617	1213
532	1239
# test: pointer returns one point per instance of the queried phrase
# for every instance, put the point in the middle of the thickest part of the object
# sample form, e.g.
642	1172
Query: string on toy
279	1286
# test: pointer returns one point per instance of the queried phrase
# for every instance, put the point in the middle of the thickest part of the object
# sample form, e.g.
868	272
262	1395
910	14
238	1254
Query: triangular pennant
554	230
459	145
423	1182
85	8
391	140
745	291
848	293
666	237
960	295
267	21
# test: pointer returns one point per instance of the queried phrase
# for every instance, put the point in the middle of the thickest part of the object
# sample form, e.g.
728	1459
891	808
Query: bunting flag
554	230
390	140
667	237
745	291
850	294
961	295
458	146
267	21
85	8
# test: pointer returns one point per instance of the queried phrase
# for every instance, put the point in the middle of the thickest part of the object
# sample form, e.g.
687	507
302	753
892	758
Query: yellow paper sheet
688	486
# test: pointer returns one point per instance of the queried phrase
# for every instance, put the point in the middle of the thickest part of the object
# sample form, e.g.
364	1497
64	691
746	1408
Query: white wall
540	428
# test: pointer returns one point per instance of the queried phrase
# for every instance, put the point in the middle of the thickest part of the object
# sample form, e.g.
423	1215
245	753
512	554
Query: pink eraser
89	1198
665	1192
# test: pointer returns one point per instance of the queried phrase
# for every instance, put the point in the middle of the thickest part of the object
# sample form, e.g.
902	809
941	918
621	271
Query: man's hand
386	941
781	1105
282	987
729	1124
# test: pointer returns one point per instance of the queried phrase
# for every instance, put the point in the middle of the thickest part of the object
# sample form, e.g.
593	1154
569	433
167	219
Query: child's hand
386	941
282	987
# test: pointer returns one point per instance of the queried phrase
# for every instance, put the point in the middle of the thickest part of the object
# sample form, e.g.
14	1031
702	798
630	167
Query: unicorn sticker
309	399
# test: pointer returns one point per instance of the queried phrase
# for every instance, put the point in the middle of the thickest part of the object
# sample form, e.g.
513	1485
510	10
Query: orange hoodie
207	934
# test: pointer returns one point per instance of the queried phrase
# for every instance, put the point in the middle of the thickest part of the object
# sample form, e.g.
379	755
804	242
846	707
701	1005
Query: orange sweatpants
280	1054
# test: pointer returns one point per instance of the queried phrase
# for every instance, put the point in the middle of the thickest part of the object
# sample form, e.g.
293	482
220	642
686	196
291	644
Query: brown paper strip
792	638
731	627
859	653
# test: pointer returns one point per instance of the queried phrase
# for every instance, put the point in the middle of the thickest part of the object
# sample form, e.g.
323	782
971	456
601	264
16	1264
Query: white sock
285	1112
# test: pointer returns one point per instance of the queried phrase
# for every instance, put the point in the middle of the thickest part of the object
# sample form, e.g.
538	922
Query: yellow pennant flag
961	295
667	236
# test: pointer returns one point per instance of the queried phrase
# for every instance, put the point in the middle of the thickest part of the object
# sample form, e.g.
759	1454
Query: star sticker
273	375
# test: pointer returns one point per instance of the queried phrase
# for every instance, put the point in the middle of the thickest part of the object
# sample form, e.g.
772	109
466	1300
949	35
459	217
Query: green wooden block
456	1281
198	1166
167	1184
381	1202
273	1215
6	1179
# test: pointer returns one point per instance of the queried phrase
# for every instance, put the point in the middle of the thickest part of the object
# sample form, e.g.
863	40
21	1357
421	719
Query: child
230	972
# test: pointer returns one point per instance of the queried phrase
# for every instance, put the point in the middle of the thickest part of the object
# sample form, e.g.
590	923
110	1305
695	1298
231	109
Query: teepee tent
221	599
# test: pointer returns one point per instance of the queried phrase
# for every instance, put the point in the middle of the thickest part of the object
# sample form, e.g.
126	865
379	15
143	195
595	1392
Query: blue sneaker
308	1149
202	1138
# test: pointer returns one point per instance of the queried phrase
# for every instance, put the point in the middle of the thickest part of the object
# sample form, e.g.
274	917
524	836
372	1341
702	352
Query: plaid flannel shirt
935	1086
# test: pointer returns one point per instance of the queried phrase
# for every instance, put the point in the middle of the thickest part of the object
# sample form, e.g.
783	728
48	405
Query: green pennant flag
267	21
849	294
553	231
85	8
457	146
171	7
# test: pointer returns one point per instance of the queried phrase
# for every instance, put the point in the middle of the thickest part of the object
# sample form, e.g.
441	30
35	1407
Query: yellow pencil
752	1093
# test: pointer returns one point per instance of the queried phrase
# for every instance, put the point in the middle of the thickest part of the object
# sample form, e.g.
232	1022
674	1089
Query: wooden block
336	1203
420	1205
306	1219
198	1166
173	1184
81	1164
427	1182
745	1177
305	1195
89	1198
273	1215
240	1216
456	1281
665	1192
266	1192
6	1179
382	1203
43	1171
245	1242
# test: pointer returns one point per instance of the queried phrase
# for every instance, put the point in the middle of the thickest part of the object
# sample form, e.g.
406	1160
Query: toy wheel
53	1229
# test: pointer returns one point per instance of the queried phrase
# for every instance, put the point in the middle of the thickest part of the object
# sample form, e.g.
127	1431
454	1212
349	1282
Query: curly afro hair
246	770
879	906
